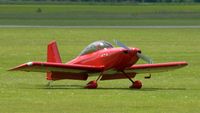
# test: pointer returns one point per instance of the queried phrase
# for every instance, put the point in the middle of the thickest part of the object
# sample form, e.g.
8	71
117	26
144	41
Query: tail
53	55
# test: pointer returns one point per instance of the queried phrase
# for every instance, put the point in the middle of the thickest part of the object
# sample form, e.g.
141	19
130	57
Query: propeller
121	44
145	58
139	54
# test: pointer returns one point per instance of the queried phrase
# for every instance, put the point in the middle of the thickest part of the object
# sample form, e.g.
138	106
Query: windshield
95	46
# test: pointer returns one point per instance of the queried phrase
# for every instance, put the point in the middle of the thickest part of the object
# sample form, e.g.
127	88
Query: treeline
99	1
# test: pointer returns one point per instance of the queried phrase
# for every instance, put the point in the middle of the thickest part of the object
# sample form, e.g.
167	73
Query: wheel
136	85
92	85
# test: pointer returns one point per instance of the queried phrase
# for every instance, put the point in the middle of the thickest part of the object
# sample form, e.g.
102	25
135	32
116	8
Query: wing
143	68
56	67
155	68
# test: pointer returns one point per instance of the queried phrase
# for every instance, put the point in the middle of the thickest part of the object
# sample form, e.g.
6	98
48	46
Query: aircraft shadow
80	87
143	89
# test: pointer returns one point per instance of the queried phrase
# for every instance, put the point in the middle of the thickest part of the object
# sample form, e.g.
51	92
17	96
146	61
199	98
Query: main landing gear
135	84
93	84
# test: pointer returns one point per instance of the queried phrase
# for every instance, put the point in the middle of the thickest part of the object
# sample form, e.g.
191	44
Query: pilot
99	46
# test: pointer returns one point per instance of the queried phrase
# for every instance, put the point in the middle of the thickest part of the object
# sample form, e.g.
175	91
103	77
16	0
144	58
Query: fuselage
110	58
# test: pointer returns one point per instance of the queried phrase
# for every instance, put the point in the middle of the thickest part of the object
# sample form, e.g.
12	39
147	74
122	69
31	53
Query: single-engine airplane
98	57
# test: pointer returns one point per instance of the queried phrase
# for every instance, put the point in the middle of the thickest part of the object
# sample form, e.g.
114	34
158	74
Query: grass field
160	14
171	92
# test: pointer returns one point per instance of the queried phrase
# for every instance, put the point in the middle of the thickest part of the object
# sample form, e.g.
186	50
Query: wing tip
21	66
183	63
17	67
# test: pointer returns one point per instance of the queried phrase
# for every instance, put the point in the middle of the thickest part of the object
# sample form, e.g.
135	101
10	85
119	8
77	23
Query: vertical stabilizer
53	55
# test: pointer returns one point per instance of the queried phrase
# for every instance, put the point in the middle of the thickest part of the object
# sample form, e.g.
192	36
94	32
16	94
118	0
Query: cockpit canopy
95	46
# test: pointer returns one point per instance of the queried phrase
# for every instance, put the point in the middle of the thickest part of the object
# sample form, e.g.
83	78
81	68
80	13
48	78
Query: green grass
101	22
100	8
159	14
173	92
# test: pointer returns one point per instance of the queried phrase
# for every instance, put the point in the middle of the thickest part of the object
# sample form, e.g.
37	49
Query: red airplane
98	57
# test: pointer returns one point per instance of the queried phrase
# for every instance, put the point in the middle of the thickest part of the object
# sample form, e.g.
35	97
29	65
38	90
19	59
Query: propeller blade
145	58
121	44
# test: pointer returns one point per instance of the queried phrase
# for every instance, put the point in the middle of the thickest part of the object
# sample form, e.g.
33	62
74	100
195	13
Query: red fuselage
110	58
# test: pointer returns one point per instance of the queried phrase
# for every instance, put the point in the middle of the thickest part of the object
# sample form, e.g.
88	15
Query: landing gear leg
135	84
93	84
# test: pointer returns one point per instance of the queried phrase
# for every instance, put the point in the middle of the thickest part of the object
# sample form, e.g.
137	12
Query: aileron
155	68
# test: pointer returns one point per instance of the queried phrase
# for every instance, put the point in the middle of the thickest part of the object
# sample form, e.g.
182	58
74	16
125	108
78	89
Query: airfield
169	92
